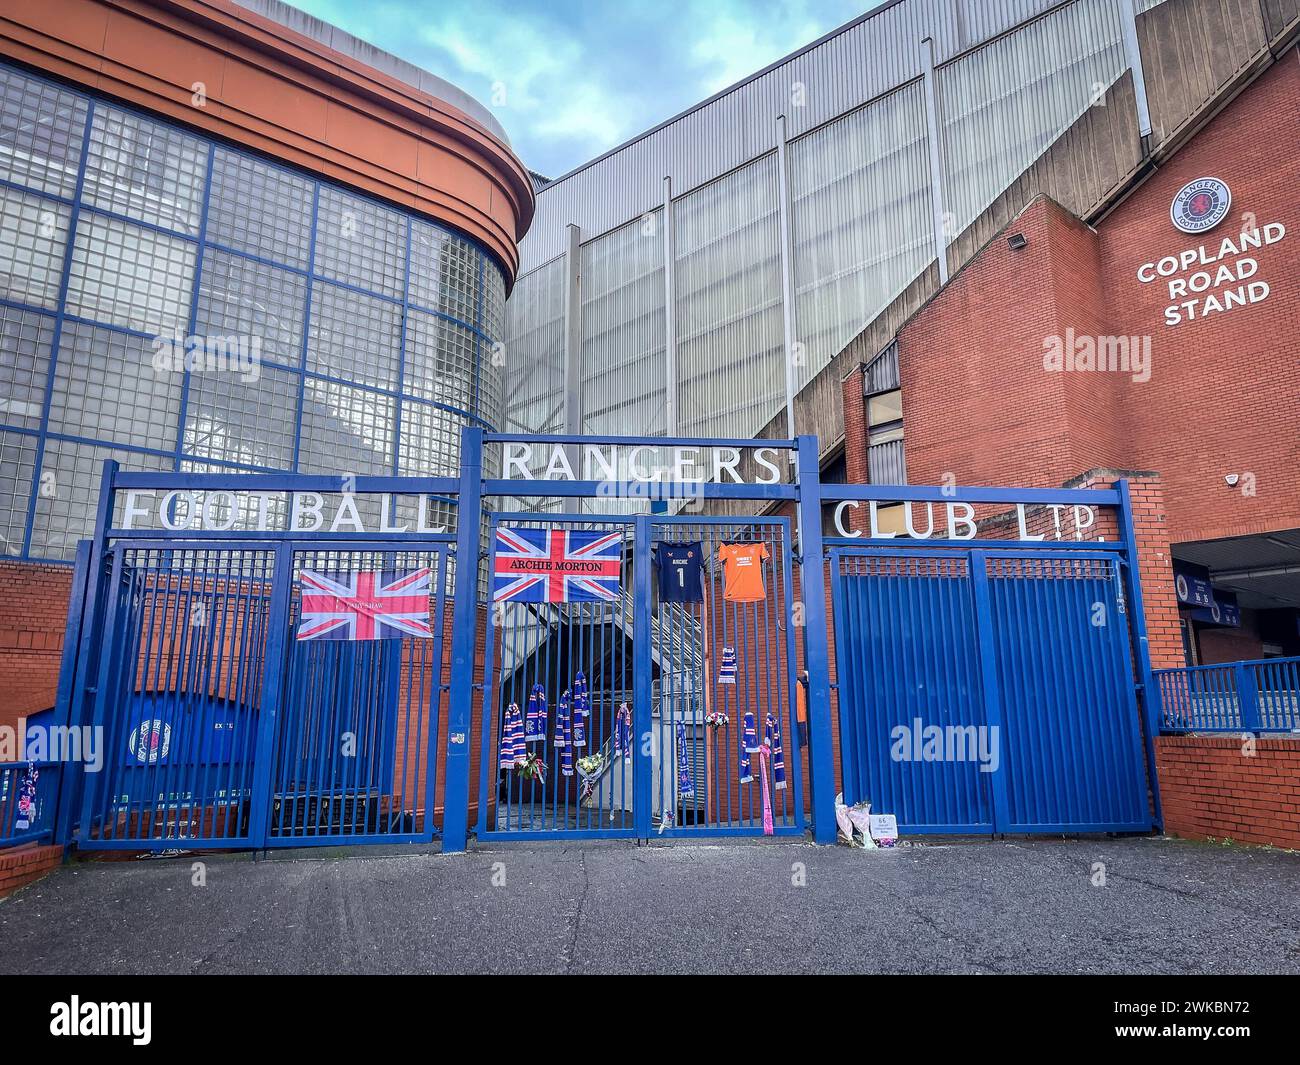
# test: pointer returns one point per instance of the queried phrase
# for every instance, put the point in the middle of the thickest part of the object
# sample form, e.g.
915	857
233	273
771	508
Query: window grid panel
440	359
69	492
137	278
260	209
354	336
430	442
41	131
33	239
25	339
444	272
242	298
145	170
228	417
345	430
129	276
17	464
107	387
360	243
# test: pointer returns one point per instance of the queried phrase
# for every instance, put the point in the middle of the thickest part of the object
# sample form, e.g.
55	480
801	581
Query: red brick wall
23	865
33	613
1223	394
1210	789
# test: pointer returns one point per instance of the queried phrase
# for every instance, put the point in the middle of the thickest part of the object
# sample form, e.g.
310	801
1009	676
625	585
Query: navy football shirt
680	576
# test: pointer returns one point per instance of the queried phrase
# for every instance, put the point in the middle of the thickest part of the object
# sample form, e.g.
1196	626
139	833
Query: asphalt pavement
1132	905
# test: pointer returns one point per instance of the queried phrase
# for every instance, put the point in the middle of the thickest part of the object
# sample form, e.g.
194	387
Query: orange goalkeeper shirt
742	567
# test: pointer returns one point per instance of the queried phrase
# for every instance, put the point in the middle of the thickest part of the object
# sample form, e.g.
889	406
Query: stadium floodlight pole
936	159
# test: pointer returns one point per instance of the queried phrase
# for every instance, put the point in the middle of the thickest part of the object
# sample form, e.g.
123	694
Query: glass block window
25	339
17	463
200	329
145	170
259	208
69	492
440	359
245	421
444	273
41	130
240	297
355	337
345	430
430	441
33	238
130	276
106	387
360	243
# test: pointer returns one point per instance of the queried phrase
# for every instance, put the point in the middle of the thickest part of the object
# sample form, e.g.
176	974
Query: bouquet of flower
591	765
532	768
717	719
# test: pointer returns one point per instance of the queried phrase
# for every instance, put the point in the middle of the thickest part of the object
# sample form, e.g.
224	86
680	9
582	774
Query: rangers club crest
1200	205
366	605
556	566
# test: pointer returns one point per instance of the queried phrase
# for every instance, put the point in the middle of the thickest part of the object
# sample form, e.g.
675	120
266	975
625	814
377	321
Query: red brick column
33	614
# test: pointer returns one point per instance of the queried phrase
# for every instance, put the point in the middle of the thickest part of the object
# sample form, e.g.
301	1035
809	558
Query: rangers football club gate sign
578	637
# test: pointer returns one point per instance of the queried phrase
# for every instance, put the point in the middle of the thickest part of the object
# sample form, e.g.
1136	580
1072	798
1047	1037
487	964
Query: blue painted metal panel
1022	660
908	668
1071	742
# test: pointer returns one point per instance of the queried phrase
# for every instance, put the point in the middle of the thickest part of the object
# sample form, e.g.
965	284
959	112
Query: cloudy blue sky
573	79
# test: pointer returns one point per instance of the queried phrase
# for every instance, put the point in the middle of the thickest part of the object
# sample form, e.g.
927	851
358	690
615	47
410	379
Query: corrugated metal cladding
863	61
861	214
730	336
623	329
862	220
881	374
534	352
1003	104
885	463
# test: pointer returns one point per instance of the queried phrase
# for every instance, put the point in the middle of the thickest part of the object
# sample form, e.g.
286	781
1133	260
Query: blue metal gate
645	705
224	730
988	690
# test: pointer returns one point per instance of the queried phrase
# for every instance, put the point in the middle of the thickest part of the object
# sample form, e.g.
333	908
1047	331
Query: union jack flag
557	566
365	605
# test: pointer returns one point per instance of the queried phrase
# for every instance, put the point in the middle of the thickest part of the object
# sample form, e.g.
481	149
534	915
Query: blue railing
1256	696
40	825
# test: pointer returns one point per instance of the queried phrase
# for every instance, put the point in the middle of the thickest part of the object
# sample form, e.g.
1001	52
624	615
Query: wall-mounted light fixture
1017	241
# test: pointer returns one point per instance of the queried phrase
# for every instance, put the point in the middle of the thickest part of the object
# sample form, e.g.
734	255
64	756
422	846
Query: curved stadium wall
370	330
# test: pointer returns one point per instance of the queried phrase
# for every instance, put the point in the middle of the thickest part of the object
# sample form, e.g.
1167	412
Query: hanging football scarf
750	733
581	696
685	785
535	724
512	739
772	740
727	668
767	798
580	710
27	799
623	733
564	738
746	770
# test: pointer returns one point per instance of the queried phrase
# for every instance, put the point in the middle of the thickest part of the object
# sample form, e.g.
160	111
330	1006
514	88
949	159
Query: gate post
812	590
643	687
469	506
1141	645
